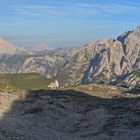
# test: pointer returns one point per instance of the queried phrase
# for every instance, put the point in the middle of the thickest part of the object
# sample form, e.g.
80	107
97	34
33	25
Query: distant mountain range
109	61
8	48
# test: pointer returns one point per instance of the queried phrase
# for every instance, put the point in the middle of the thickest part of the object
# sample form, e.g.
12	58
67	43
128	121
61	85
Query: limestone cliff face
106	61
131	45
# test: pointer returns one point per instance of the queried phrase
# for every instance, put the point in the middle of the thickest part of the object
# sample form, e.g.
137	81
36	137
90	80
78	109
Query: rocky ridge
70	115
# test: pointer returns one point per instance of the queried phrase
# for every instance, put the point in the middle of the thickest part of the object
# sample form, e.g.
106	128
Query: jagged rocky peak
131	44
107	44
109	52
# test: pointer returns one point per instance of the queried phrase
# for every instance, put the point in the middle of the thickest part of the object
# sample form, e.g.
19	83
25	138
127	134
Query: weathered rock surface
70	115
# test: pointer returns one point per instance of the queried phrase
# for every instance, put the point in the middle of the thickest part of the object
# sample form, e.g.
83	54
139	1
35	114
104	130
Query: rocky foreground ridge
109	61
68	115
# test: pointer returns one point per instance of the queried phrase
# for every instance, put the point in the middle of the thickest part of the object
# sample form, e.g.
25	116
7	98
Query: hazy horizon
67	23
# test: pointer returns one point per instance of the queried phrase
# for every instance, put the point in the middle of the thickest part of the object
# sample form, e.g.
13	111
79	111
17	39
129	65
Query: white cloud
75	9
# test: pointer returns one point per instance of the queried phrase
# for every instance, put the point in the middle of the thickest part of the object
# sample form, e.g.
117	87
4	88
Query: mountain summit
7	47
41	48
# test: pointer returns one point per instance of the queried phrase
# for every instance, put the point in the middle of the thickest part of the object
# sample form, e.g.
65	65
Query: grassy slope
23	81
103	91
20	82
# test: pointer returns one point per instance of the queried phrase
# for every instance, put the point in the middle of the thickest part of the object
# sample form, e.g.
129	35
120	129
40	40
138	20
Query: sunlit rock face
131	45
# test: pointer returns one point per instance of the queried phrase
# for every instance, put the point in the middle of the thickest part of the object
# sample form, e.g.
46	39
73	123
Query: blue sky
66	23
